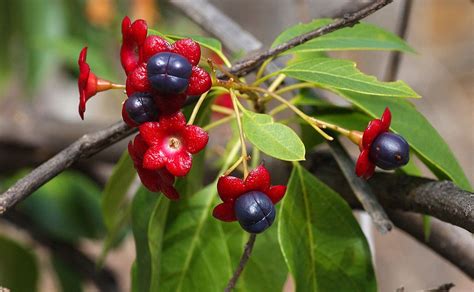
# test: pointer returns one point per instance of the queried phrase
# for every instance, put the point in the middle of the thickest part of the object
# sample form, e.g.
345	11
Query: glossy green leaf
143	205
266	269
321	241
115	205
156	233
274	139
194	254
362	36
18	267
114	199
416	129
335	74
58	208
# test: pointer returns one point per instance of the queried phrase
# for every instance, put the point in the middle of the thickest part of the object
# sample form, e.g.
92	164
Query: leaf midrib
357	73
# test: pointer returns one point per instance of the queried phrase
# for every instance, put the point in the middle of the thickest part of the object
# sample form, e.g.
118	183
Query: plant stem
276	82
241	133
294	86
261	70
243	260
294	109
234	166
221	110
219	122
197	107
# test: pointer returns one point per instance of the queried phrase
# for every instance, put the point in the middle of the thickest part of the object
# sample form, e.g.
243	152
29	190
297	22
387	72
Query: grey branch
360	187
231	34
439	199
84	147
445	239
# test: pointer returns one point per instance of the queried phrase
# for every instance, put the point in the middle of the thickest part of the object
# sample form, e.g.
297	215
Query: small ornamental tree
195	237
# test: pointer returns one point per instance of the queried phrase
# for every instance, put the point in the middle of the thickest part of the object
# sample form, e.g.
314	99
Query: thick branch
445	239
440	199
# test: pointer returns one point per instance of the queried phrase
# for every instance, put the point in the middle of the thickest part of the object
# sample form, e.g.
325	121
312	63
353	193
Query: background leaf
416	129
362	36
335	74
115	205
58	208
68	278
18	267
274	139
143	205
322	243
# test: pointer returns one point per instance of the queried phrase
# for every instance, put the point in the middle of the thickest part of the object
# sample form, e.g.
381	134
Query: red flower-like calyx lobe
171	144
230	188
88	83
159	180
365	167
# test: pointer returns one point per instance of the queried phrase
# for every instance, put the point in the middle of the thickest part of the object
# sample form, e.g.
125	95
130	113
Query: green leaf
266	269
321	241
362	36
143	205
274	139
156	233
58	208
114	198
18	267
68	278
115	205
194	254
425	141
334	74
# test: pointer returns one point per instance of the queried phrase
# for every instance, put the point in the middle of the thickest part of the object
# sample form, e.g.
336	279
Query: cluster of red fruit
160	76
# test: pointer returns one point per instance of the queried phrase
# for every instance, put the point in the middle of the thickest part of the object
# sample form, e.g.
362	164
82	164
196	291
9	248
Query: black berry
389	151
168	73
255	211
141	108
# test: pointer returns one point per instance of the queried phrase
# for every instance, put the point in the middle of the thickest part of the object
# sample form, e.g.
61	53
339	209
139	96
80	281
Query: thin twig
350	19
84	147
396	56
243	260
361	189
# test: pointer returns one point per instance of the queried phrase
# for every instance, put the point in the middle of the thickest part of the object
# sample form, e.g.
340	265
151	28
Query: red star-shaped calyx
159	180
365	167
171	143
230	188
89	84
